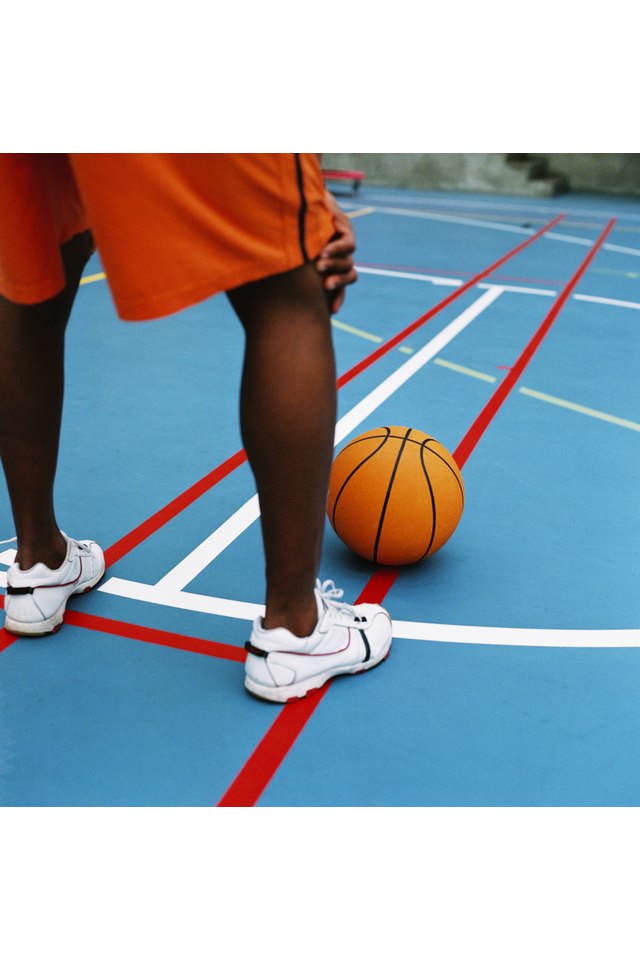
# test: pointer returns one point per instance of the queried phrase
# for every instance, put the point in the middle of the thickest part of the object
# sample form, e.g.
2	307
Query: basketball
395	495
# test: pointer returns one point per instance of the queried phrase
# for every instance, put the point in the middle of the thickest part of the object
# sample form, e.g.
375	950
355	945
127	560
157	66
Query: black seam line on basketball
391	436
449	467
355	470
386	499
302	213
433	499
366	646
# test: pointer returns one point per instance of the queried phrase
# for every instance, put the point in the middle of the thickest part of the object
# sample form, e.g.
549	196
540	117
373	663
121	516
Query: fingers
335	299
335	261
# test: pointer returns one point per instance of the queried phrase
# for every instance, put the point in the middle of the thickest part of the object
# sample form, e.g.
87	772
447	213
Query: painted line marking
546	397
578	408
200	558
495	204
361	212
607	301
402	629
177	641
93	277
364	334
514	636
492	225
466	370
620	273
532	291
479	426
468	285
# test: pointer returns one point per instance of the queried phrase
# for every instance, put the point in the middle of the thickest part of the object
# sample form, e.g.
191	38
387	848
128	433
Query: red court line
132	631
263	763
390	344
144	530
164	638
176	506
470	439
6	639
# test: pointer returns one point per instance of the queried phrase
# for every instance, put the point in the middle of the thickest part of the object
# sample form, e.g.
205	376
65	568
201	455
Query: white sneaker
347	639
36	598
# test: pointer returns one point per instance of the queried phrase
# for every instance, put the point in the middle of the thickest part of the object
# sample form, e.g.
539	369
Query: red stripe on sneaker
263	763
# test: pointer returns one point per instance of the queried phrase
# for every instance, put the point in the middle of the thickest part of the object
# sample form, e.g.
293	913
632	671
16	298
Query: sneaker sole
44	628
298	691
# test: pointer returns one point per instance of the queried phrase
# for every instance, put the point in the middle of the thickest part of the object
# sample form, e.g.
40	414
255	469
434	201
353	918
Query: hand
335	262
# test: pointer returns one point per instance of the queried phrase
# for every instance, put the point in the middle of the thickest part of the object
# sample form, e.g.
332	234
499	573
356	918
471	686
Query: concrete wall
491	173
598	172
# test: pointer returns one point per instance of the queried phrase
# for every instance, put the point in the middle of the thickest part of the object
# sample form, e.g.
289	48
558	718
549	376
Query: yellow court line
465	370
622	273
361	213
372	337
355	331
598	414
93	277
547	398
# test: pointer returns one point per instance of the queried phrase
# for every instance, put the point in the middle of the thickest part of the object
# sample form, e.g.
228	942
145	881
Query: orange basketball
395	495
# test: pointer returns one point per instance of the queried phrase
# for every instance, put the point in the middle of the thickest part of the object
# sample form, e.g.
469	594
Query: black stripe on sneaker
19	591
366	646
256	651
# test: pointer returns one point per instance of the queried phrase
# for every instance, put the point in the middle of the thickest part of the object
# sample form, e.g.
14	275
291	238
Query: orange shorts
171	229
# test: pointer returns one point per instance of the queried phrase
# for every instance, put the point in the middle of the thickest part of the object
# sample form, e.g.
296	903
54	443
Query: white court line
402	629
630	304
200	558
491	225
514	636
532	291
448	282
402	275
499	205
6	559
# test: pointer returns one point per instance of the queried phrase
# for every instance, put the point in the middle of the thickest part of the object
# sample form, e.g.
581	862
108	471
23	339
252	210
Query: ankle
300	619
51	552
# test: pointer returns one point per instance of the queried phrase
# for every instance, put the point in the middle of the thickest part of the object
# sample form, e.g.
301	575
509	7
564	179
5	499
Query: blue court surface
514	676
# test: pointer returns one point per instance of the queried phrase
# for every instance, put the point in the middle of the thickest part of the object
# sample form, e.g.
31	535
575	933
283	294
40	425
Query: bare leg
32	377
288	412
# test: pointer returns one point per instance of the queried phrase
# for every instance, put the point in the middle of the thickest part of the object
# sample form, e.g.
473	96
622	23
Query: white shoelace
331	596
